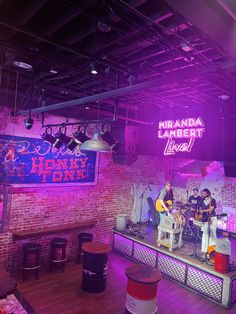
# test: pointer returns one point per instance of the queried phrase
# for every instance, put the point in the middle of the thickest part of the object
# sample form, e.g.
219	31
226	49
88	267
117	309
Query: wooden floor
61	294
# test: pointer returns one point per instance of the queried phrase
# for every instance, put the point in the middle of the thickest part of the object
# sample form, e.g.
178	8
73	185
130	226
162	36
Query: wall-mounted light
224	97
93	69
22	65
53	71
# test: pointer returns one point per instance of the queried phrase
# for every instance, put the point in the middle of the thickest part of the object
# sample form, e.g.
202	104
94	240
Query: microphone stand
194	255
139	233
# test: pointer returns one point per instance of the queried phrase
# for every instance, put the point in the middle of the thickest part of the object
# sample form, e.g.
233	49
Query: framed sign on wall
31	161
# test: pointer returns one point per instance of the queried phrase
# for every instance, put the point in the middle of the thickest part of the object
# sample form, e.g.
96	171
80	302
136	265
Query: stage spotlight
60	138
107	137
80	136
70	143
47	136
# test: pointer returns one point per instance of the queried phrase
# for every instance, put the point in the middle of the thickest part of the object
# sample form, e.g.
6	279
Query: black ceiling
130	42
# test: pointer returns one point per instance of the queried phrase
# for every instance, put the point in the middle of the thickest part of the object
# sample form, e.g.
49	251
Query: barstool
83	237
31	259
58	253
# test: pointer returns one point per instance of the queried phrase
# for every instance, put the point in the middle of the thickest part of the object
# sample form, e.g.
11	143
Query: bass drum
180	219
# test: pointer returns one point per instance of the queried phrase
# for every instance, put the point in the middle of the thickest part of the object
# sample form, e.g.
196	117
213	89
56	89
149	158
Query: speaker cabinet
127	151
230	169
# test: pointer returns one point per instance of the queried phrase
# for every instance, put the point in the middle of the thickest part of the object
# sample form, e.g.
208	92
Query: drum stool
83	237
58	253
167	237
31	259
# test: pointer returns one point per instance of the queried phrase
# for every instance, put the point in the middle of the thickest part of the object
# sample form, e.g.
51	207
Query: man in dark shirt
195	199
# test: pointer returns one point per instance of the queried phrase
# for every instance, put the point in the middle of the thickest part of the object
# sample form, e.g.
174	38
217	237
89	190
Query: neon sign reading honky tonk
189	129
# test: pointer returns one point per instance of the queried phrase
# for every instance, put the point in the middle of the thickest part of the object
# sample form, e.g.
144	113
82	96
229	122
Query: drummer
195	199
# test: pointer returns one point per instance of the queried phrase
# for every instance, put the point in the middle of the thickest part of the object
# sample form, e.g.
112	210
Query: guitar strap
209	214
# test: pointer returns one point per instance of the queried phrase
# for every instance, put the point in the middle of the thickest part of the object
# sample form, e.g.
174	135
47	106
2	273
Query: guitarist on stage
165	196
209	220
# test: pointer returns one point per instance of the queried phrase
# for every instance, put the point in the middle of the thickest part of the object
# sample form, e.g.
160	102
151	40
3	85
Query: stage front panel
172	267
233	291
205	283
217	287
144	254
123	245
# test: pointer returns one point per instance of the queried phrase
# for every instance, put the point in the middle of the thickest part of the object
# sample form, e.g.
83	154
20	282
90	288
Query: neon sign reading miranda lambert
189	129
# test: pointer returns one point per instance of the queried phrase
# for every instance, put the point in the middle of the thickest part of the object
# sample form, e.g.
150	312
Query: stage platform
177	265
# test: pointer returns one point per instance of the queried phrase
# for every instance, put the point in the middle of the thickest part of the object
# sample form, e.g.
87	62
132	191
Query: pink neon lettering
189	128
172	147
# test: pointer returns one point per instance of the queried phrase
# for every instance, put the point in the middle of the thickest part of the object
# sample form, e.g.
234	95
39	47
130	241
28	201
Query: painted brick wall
33	208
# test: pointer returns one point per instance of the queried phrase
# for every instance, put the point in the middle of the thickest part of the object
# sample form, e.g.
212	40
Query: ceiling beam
210	18
172	77
46	39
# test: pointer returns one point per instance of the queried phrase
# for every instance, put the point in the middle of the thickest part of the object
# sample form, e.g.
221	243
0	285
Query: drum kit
184	215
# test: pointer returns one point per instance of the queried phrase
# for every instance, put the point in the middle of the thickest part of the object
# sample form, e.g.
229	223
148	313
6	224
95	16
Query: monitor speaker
127	148
230	169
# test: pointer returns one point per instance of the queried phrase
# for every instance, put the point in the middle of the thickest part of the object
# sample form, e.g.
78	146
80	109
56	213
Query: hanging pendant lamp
96	144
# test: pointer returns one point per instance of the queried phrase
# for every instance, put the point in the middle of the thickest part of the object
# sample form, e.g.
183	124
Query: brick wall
39	207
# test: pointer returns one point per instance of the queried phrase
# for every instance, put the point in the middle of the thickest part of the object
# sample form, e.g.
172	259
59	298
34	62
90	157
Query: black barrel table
95	266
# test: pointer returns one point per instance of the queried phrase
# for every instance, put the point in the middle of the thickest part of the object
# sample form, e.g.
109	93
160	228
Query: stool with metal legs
58	253
31	259
83	237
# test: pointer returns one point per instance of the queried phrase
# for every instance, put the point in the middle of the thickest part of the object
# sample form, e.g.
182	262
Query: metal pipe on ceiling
172	77
110	114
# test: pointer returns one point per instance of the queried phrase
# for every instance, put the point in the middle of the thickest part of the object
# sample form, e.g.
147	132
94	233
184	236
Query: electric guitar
205	217
159	206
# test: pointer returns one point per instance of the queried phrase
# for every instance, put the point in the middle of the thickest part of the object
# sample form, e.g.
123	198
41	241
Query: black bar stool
31	259
83	237
58	253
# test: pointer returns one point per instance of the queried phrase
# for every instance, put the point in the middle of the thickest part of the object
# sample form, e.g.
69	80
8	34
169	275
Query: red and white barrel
141	295
223	250
221	263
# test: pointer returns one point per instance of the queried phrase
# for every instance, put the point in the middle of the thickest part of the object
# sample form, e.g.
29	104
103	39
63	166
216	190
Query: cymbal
188	205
